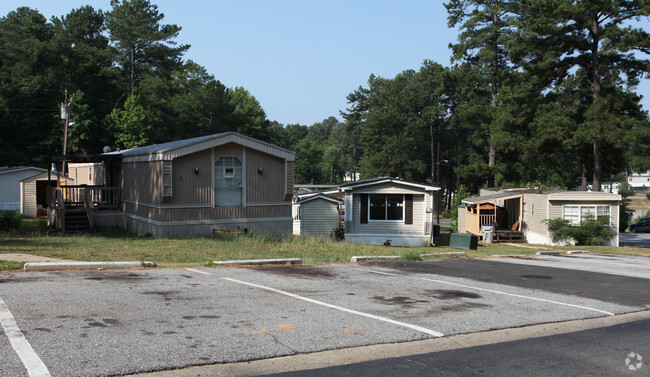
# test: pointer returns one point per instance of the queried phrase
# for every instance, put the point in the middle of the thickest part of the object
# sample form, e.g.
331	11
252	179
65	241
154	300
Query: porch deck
73	198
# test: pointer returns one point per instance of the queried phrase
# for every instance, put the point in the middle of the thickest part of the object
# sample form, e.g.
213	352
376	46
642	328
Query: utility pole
65	115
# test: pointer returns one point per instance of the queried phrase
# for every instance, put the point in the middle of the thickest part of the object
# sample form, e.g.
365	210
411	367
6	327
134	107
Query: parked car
641	226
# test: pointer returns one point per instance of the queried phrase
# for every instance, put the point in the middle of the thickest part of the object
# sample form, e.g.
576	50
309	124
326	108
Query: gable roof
178	148
550	194
14	169
492	197
380	180
584	195
321	196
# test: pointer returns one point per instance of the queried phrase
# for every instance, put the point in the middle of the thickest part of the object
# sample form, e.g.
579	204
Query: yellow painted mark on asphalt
351	331
284	326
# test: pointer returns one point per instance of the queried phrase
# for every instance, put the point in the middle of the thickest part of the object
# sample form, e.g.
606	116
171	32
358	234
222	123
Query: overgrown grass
8	265
120	245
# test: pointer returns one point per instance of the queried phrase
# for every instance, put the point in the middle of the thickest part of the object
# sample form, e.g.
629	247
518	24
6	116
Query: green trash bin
463	241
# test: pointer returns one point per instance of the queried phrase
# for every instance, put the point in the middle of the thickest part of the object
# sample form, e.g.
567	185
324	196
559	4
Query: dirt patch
451	294
301	272
114	276
397	300
543	277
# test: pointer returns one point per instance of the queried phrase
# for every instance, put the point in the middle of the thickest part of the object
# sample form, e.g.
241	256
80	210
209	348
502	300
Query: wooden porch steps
509	236
76	222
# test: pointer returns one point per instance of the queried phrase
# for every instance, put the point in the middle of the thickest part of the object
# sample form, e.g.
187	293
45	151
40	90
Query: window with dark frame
386	207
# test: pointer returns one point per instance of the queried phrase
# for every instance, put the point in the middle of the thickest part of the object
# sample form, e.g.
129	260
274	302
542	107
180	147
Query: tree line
539	93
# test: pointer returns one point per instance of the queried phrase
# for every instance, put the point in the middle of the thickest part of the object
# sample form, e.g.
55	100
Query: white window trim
594	206
403	220
214	180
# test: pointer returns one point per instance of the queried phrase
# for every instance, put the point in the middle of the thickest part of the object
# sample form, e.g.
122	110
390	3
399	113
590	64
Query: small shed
319	215
10	178
33	193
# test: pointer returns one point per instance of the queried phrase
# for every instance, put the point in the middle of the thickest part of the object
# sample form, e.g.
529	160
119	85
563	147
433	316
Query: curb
53	266
450	253
373	257
258	262
510	255
570	252
554	253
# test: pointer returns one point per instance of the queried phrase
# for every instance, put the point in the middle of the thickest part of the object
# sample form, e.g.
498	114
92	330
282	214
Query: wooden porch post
521	211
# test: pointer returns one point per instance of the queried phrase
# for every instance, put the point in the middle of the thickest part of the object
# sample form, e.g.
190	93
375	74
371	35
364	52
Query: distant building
639	179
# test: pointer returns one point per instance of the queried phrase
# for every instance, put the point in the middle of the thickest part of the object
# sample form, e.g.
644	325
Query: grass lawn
119	245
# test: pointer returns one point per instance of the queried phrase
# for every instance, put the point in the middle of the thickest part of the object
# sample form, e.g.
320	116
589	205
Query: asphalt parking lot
119	322
635	239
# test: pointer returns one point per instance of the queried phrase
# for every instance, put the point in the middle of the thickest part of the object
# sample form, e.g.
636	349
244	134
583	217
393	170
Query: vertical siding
29	198
189	187
318	217
142	181
290	181
534	221
268	187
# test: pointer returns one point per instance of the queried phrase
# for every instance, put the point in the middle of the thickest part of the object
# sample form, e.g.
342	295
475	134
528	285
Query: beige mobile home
225	181
87	173
523	212
388	211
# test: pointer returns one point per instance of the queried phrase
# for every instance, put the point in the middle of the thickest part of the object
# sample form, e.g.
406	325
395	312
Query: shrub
625	190
458	200
622	217
338	233
10	220
589	232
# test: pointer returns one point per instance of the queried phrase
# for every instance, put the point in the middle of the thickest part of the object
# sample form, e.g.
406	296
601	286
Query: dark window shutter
408	209
364	208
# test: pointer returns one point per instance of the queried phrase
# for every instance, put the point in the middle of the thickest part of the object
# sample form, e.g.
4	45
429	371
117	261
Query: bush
625	190
338	233
10	220
458	200
622	217
589	232
647	195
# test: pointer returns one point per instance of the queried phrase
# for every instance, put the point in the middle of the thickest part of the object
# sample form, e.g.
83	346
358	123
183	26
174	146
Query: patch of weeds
11	266
412	256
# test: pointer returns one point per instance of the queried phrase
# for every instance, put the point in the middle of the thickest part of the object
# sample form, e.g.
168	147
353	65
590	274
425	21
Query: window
386	207
576	214
571	213
228	182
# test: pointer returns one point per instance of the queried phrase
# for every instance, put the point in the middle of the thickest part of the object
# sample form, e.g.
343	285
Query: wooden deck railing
473	222
89	198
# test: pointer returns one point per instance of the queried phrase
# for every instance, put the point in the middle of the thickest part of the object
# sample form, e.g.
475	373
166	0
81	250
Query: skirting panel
159	229
388	240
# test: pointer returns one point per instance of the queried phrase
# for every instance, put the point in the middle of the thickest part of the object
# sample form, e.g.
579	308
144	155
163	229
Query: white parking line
26	353
488	290
367	315
198	271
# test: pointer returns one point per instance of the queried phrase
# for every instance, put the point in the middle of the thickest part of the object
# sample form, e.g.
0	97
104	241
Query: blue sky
300	59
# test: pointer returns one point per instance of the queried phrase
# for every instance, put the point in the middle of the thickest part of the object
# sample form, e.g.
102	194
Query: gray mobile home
388	211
